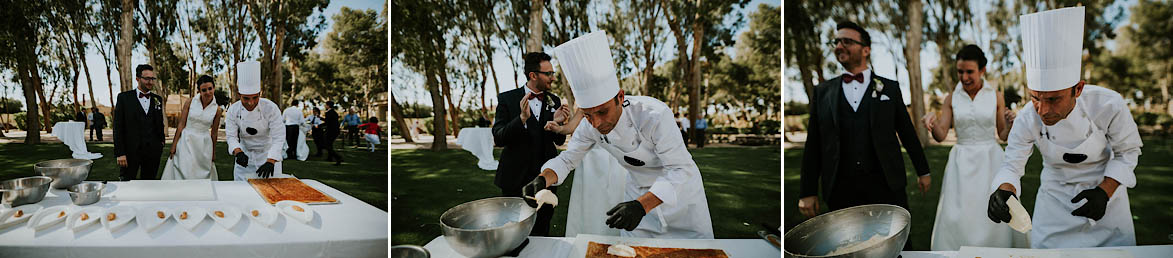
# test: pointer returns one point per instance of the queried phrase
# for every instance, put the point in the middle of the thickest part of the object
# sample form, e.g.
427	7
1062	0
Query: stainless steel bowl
21	191
838	229
409	251
487	227
86	193
65	172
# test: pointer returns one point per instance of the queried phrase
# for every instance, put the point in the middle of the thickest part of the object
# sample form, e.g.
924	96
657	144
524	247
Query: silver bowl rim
413	247
50	182
445	214
902	210
101	187
39	164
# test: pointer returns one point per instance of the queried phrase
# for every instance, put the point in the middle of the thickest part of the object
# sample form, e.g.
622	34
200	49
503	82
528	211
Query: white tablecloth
601	178
1144	251
349	229
558	247
73	135
479	141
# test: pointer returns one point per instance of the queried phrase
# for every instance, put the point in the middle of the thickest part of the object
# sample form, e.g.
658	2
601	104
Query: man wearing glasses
138	128
850	151
255	129
519	127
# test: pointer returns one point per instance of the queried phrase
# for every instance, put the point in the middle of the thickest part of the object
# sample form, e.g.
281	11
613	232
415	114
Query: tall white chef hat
248	77
586	62
1052	44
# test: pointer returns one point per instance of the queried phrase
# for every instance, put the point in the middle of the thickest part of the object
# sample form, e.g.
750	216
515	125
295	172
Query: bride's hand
172	150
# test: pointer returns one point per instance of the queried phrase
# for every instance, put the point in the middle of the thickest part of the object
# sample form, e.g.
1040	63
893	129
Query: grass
363	175
741	184
1151	201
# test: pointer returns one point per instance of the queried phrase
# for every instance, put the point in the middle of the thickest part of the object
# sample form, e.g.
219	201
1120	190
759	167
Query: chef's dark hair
533	62
205	79
974	53
138	71
863	34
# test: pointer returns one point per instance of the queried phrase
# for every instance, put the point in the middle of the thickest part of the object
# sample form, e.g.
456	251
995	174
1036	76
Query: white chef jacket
292	116
266	144
1101	120
647	144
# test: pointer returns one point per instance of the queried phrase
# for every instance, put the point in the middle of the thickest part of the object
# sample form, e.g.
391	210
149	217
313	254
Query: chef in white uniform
255	128
664	195
1085	134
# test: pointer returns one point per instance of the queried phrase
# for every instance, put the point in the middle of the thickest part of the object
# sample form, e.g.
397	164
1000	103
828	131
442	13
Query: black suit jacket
889	121
99	120
527	146
135	130
332	123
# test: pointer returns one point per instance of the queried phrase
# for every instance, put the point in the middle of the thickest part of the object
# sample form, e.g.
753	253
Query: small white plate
122	216
8	218
231	215
93	214
193	218
48	217
266	215
150	217
305	215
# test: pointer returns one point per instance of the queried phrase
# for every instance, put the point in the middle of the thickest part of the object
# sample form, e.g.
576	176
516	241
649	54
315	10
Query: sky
883	61
98	66
408	84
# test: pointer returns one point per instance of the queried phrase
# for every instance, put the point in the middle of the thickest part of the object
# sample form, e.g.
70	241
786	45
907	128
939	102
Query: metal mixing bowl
409	251
86	193
21	191
820	235
65	172
487	227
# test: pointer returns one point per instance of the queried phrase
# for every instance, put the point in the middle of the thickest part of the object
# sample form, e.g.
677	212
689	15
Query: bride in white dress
193	149
977	112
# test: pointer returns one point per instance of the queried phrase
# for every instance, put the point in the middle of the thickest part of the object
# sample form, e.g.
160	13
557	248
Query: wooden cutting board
274	190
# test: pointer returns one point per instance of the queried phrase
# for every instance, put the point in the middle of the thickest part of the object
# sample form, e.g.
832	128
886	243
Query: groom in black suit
521	116
852	153
138	128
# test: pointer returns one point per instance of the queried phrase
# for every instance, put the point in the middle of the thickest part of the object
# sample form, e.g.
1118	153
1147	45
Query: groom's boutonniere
879	88
155	102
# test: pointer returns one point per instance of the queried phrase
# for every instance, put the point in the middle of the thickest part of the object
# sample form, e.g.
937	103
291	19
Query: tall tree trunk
126	45
534	43
397	113
453	107
912	54
25	72
439	129
694	99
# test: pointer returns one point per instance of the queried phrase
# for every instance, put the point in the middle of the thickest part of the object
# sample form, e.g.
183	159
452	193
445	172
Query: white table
73	135
351	228
479	141
1144	251
558	247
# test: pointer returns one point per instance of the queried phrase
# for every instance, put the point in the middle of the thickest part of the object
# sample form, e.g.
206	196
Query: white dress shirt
535	106
292	116
144	101
854	90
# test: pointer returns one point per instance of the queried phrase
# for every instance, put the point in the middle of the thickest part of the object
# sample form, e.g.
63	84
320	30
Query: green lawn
362	175
742	186
1151	200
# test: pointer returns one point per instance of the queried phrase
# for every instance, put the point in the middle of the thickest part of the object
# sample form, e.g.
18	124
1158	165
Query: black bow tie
143	95
540	96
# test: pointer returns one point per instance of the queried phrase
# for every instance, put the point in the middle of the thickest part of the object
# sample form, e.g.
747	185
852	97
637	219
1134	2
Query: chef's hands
1097	203
241	158
626	215
122	161
997	210
532	189
266	170
525	113
924	182
808	206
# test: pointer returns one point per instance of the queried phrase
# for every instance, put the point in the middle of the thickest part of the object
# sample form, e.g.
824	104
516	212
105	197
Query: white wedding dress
193	152
961	212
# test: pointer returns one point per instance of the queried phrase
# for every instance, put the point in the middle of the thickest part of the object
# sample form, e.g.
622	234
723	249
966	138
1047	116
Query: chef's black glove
531	189
626	215
241	159
1097	202
266	170
997	209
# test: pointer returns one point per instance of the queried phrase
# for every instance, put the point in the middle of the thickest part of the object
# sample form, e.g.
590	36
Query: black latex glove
997	209
531	189
241	159
626	215
1097	202
266	170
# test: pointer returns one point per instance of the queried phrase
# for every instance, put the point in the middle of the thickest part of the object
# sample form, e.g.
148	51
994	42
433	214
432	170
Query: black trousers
329	142
291	132
545	213
96	131
141	165
352	135
854	189
700	138
684	134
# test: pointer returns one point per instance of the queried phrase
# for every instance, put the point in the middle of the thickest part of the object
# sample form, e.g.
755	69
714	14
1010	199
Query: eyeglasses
150	79
550	73
836	41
